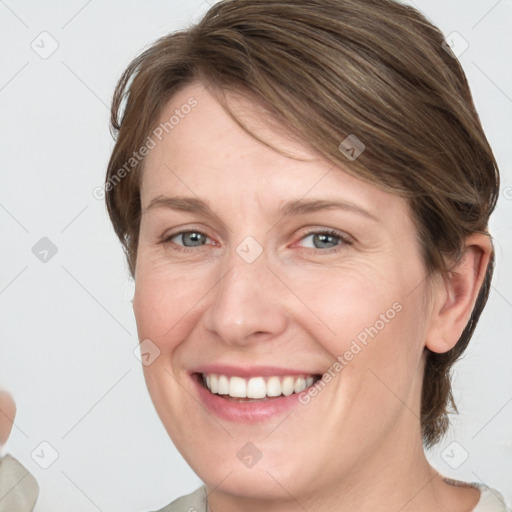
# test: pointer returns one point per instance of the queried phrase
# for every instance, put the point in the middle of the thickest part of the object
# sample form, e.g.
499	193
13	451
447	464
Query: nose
248	304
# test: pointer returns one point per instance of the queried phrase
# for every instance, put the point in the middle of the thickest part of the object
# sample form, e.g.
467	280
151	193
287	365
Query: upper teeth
256	387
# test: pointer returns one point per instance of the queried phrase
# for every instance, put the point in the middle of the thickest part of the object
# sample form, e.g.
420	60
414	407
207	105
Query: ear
455	295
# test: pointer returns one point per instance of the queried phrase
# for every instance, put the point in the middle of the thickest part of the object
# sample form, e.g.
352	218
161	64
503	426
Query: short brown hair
327	69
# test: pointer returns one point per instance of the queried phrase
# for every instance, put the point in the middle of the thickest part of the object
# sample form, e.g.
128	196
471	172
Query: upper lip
251	371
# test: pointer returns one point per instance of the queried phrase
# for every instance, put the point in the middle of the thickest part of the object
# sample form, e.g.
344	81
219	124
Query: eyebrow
294	207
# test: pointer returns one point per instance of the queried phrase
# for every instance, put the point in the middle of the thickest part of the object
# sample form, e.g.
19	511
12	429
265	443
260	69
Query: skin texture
357	444
7	414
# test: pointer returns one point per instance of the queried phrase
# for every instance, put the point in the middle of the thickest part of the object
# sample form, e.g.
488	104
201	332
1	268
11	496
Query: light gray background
67	328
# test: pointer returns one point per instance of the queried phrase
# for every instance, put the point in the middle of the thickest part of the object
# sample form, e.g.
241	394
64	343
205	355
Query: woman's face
254	295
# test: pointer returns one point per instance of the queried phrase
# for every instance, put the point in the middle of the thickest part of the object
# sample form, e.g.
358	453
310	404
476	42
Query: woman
303	190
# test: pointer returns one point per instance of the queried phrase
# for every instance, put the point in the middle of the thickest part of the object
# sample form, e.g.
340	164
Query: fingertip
7	414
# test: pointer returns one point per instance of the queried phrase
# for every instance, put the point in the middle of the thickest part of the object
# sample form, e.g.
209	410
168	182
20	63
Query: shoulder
193	502
490	500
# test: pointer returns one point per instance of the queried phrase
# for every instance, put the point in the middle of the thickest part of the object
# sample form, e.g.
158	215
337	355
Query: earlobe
456	294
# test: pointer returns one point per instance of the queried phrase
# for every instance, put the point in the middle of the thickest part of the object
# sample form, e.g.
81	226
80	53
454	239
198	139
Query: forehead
203	152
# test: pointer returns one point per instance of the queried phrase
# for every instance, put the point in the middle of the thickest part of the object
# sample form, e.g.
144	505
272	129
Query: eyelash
344	240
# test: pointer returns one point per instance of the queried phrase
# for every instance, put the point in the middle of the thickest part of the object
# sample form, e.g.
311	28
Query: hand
7	414
18	487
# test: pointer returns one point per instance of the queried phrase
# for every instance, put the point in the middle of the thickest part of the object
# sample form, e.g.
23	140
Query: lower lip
244	412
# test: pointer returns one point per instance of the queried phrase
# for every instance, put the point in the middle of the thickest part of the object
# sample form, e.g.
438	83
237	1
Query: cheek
345	303
370	324
164	299
382	373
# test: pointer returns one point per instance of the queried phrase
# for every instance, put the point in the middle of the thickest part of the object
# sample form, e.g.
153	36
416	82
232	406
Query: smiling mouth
255	389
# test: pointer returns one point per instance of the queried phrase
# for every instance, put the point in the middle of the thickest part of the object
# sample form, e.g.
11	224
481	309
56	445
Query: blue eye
323	240
326	240
194	238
